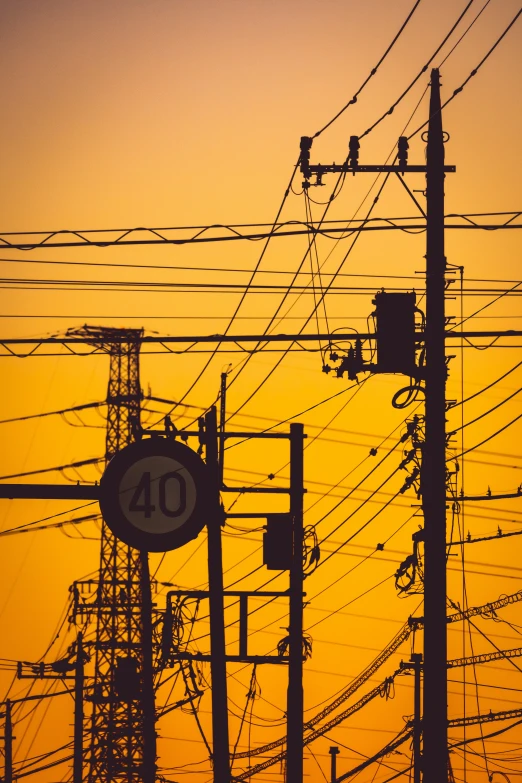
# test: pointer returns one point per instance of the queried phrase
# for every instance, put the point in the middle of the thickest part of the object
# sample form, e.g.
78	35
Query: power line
466	31
321	298
486	413
418	76
59	468
372	72
489	386
245	292
329	233
30	528
490	437
473	72
53	413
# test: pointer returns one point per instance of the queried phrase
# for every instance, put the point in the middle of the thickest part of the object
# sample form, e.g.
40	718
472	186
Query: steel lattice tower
121	733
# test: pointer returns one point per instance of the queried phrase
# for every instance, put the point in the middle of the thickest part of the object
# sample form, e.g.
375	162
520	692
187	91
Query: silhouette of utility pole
79	682
433	469
294	758
8	744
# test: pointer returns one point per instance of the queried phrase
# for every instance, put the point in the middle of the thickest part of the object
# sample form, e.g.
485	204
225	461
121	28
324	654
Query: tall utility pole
218	664
433	472
334	751
79	681
415	665
122	733
417	719
8	744
294	757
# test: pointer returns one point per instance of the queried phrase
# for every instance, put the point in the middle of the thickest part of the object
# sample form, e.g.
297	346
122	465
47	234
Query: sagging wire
254	692
244	294
313	250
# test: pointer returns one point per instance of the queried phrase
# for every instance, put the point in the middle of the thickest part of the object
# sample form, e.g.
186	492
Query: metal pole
8	744
243	625
416	660
334	750
433	475
78	711
222	422
147	676
218	667
295	663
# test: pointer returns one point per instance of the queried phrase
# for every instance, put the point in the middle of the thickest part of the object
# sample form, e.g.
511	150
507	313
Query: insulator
353	151
304	160
402	152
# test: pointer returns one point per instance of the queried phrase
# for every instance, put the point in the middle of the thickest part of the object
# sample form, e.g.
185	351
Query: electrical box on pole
278	542
395	326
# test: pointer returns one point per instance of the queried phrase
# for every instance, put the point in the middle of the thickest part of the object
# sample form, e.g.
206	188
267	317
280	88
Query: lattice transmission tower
121	732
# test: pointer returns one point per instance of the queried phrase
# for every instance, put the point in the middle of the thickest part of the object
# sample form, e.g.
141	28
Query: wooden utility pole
334	750
433	473
79	680
218	665
416	659
295	664
8	744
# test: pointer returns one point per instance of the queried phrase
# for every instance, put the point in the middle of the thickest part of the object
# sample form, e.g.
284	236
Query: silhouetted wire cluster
36	762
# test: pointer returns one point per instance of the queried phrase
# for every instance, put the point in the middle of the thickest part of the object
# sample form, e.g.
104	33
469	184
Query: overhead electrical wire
490	437
470	422
243	295
331	233
481	309
486	388
338	184
385	180
372	73
464	34
161	287
396	642
418	76
78	464
486	413
473	72
321	298
53	413
339	268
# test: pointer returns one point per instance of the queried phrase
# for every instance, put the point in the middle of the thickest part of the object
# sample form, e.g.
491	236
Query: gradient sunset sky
174	113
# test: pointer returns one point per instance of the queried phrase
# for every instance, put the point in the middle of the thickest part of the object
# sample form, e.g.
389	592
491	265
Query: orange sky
187	113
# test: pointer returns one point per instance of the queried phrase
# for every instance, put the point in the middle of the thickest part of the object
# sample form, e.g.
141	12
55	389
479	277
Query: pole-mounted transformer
278	542
395	327
396	340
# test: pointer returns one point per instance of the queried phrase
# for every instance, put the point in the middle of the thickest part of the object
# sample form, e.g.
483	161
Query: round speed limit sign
153	494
